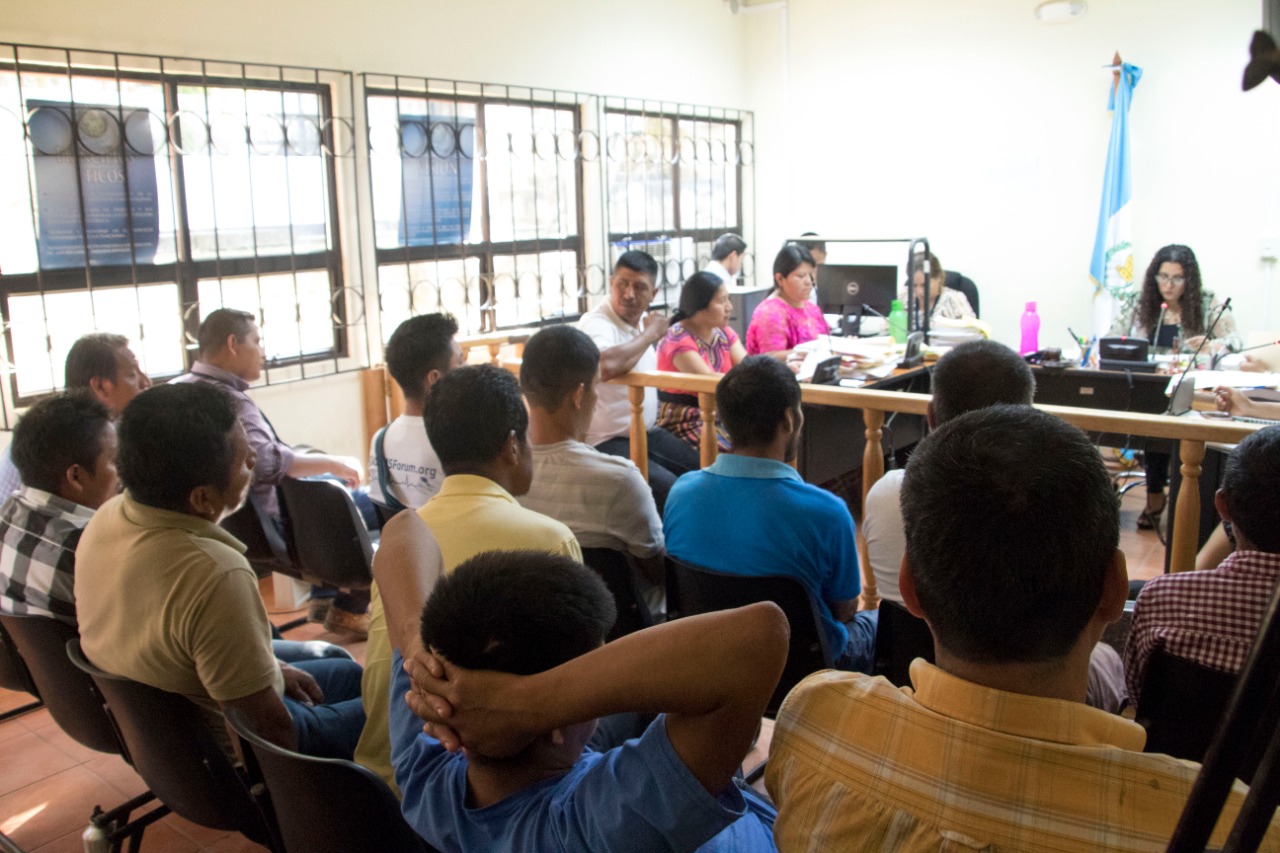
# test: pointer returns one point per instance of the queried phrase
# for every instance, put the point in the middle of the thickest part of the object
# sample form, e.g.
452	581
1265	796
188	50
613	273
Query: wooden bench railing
1192	433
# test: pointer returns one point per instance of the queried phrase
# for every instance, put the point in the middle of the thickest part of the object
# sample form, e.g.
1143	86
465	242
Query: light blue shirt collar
731	465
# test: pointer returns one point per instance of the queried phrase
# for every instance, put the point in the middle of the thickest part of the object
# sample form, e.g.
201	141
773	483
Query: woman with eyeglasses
1173	278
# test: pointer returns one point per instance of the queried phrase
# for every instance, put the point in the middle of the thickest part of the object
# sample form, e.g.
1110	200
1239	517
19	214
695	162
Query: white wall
975	125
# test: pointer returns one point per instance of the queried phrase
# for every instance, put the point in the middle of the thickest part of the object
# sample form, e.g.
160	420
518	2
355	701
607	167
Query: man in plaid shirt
65	449
1212	617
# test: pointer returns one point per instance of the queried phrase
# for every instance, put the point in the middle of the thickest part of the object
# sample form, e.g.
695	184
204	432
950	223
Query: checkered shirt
1210	617
858	764
38	537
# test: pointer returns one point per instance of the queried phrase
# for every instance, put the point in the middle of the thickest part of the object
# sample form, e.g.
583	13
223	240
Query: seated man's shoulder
833	691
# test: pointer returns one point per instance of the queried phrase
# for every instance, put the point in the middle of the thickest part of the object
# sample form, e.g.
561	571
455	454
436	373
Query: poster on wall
437	156
95	181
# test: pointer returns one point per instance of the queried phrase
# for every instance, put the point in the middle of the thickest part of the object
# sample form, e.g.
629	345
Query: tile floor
49	783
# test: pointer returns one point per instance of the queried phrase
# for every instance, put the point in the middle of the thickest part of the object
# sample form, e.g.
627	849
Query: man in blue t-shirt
529	629
749	513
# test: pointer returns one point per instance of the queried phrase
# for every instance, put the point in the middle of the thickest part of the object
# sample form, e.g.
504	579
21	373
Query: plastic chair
325	805
170	744
14	676
901	637
618	573
266	549
965	285
693	589
331	543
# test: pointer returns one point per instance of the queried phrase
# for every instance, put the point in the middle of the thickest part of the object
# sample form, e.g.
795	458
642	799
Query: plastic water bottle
898	321
1030	330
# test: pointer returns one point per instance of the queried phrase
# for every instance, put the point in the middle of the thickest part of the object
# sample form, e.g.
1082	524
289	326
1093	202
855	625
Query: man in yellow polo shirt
477	422
1012	530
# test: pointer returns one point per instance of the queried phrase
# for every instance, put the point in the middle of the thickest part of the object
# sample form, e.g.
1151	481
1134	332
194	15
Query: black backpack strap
380	462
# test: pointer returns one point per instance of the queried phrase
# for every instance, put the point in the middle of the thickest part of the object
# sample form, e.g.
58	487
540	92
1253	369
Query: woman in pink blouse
699	341
787	317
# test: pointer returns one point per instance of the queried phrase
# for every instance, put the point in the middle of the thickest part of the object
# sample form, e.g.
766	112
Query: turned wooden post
639	437
373	401
495	351
710	447
872	470
1186	522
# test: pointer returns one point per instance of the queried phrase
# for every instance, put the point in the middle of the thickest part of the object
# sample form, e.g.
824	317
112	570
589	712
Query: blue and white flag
1112	265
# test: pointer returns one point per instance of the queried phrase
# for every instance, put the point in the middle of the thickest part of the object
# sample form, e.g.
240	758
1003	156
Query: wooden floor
49	783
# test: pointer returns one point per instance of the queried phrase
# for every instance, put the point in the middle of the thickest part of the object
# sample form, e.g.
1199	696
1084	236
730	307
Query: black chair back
332	544
168	742
619	574
901	637
956	281
693	589
325	805
13	670
266	549
385	513
70	695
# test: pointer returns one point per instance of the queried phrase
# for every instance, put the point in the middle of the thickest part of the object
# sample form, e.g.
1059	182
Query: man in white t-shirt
420	351
726	258
626	333
601	498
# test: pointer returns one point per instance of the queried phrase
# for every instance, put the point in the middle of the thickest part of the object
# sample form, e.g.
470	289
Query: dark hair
220	323
521	612
469	414
418	346
56	433
1011	525
696	293
753	397
1251	487
93	356
1190	303
813	245
556	361
175	438
789	258
979	374
726	244
935	266
638	261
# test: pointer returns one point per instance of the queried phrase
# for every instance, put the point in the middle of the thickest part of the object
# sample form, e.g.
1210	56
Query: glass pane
529	288
422	159
295	309
83	143
640	150
43	330
708	174
407	290
255	171
532	186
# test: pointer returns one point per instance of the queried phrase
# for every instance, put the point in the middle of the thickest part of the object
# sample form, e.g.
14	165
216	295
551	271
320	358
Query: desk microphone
1220	356
1204	339
1155	333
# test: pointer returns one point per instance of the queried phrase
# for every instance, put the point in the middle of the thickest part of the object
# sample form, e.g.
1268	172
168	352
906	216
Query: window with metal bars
139	193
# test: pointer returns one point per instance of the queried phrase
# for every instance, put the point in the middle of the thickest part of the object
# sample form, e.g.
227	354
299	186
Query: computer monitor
843	289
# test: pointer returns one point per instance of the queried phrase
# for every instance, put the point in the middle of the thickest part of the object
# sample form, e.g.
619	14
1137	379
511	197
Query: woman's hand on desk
1252	365
1231	400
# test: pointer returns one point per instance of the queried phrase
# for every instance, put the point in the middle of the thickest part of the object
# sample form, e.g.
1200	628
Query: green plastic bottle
898	322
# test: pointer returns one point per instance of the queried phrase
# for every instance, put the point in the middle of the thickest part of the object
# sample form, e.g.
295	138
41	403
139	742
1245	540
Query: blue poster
437	155
87	159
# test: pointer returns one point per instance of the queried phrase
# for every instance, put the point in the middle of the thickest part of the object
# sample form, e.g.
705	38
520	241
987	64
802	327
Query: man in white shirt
726	258
601	498
421	350
626	333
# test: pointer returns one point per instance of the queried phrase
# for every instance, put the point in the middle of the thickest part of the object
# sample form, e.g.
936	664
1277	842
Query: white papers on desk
1207	380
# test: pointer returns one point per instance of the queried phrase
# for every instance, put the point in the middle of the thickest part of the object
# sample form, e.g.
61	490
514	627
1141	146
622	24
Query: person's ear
579	395
433	376
233	344
929	416
511	449
101	387
1115	589
907	589
205	501
1220	504
73	481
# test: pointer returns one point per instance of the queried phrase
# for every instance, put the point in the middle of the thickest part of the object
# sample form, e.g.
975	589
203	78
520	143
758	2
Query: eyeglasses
1162	278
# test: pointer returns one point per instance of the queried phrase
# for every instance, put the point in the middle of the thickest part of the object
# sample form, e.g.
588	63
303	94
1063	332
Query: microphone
1204	339
1155	333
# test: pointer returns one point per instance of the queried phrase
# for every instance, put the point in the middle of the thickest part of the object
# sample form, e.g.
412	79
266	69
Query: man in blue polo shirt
749	513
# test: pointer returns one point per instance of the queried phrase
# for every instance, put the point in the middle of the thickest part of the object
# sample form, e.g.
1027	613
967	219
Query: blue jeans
332	729
860	653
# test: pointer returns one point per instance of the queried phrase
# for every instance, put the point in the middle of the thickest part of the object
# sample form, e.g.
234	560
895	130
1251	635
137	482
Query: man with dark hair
166	597
404	471
1213	617
65	449
972	376
231	357
478	425
817	248
750	513
602	498
726	258
626	334
529	628
1012	560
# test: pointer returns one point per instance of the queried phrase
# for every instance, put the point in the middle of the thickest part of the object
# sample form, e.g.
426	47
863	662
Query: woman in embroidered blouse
699	341
787	317
948	304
